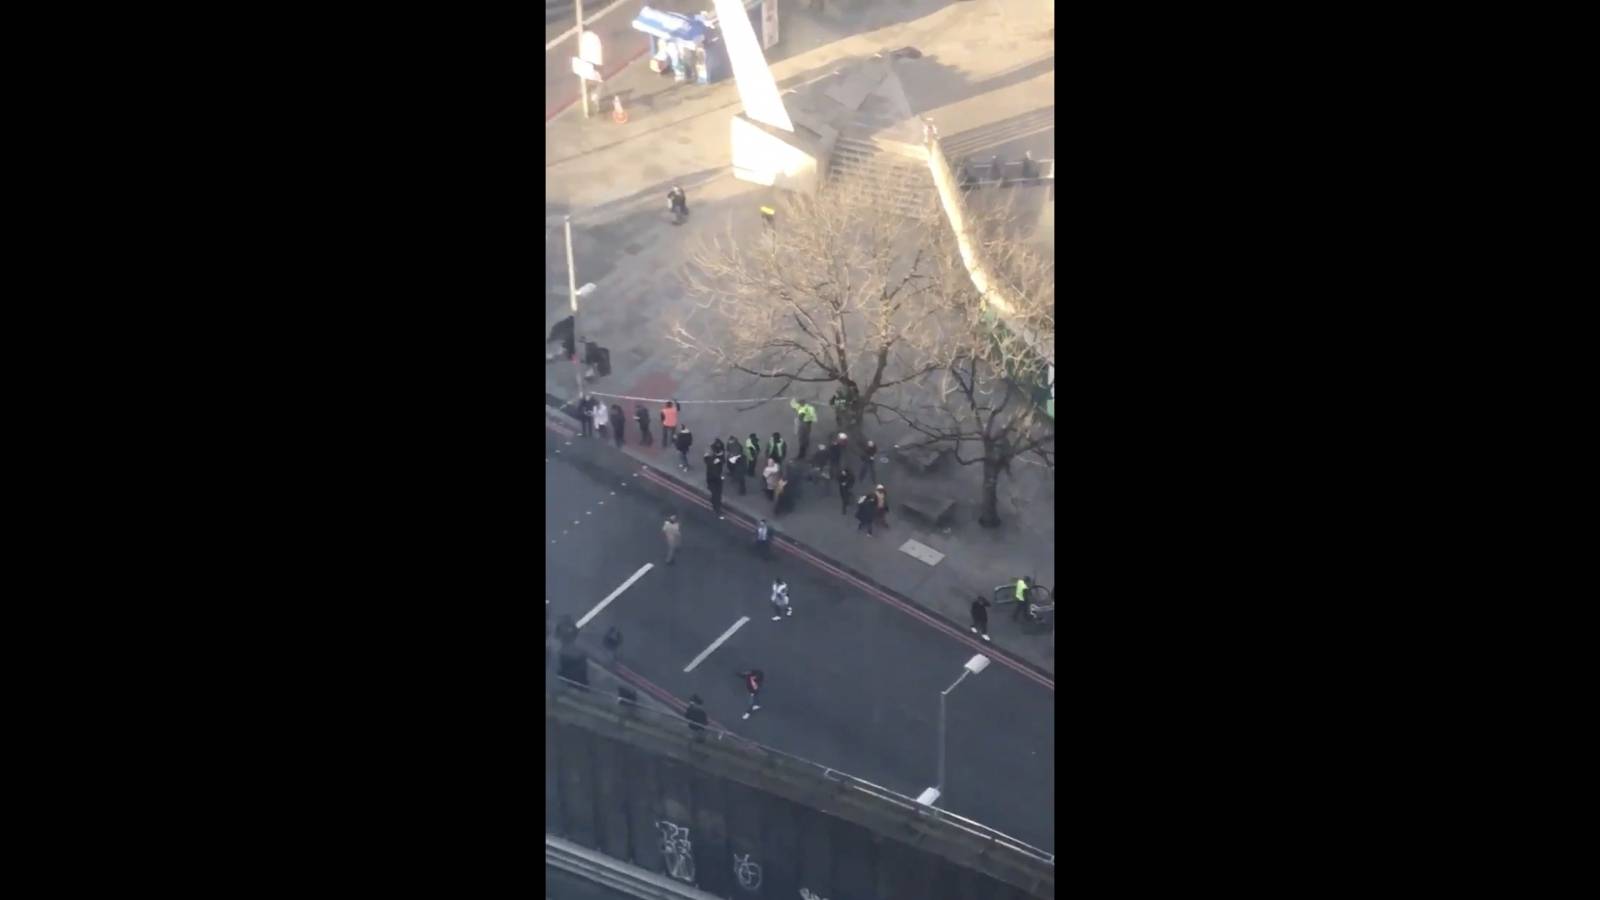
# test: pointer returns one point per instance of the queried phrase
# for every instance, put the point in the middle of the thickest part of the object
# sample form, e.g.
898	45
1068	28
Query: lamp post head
977	664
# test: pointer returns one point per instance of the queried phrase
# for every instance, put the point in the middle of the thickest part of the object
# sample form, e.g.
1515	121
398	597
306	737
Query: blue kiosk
691	47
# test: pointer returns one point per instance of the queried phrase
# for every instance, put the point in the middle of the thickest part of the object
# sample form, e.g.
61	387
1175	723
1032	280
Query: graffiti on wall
677	851
748	873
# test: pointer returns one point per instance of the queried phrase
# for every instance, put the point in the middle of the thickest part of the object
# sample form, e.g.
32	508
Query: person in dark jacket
753	680
618	423
713	460
642	416
734	454
775	448
847	480
696	714
783	501
980	617
866	511
683	442
586	415
613	643
836	454
869	463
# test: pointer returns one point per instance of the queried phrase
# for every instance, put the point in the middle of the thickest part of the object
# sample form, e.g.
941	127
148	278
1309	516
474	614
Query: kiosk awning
668	26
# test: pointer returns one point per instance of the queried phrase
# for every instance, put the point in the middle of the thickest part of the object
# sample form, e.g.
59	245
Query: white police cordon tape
665	399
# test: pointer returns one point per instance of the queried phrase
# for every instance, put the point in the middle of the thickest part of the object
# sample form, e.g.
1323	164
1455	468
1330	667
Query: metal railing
860	785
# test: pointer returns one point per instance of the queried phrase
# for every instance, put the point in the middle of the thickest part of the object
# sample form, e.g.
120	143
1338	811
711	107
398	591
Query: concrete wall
628	791
761	157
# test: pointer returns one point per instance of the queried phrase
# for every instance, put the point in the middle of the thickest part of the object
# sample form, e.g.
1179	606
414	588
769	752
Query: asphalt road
852	682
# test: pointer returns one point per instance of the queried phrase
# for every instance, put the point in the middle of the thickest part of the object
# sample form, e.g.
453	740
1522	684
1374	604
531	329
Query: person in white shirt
780	600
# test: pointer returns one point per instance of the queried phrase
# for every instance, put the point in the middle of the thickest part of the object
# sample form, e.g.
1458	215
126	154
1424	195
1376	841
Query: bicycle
1040	607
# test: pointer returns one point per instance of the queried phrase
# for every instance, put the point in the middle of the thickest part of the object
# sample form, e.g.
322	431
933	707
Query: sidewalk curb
550	116
552	402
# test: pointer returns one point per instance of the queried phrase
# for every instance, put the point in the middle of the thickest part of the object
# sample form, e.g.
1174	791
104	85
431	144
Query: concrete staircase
862	170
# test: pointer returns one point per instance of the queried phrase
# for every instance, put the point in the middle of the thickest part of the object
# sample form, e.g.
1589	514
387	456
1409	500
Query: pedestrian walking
618	423
602	418
669	424
678	202
586	415
836	454
713	460
847	480
769	475
780	600
883	505
869	464
763	539
866	511
804	415
734	454
673	535
642	416
752	452
612	642
753	680
683	442
776	449
696	714
980	617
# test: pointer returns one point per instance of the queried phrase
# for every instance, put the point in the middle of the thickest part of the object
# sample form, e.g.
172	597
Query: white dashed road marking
614	594
715	644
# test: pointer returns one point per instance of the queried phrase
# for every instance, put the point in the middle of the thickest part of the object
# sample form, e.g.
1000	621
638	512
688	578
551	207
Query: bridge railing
728	738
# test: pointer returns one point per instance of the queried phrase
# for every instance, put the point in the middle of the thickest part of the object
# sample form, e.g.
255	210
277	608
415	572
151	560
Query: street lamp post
976	664
575	292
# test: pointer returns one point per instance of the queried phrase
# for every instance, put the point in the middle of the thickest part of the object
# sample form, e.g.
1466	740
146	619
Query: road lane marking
716	643
1005	659
614	594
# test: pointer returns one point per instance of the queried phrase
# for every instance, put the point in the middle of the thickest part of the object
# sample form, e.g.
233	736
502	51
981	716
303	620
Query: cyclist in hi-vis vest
1022	597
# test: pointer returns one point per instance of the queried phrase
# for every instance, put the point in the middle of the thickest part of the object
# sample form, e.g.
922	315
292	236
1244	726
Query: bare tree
828	295
994	370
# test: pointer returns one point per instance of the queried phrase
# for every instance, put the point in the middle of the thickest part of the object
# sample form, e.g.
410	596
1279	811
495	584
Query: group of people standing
738	460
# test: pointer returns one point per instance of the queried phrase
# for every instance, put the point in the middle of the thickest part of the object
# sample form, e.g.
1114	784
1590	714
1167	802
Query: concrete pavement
987	77
853	679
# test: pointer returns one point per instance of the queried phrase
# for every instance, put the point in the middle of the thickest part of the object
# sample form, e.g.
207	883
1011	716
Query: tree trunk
990	517
849	419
